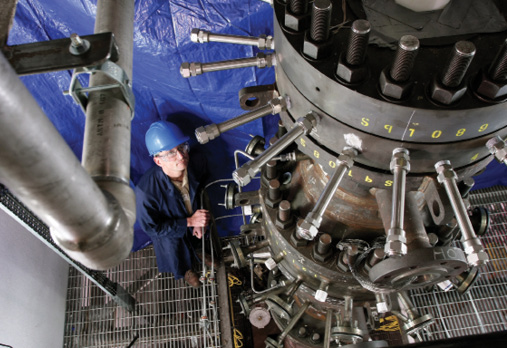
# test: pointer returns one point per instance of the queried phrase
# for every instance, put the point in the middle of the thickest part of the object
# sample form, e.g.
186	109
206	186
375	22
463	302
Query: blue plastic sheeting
161	43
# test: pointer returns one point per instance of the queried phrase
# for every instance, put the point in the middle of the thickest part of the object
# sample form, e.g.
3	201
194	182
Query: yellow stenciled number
460	132
365	121
388	183
332	164
368	179
316	154
388	127
436	134
411	132
350	172
483	127
475	157
303	142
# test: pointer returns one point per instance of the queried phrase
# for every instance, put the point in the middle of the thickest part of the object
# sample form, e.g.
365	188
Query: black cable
5	345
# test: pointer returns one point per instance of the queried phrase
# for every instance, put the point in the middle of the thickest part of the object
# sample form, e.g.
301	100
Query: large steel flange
420	267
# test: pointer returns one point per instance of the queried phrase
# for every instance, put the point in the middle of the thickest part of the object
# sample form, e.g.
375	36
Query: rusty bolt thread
458	63
498	69
321	20
408	46
284	211
274	189
324	244
298	7
359	35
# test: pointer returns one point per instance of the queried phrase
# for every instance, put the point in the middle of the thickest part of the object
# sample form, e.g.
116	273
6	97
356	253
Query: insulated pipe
41	170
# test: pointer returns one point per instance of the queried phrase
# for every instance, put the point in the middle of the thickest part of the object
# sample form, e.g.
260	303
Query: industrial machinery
386	114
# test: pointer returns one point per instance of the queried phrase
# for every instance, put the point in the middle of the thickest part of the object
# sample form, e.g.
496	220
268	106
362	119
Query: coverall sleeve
155	221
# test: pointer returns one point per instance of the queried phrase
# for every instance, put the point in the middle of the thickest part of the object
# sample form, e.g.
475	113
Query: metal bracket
113	71
54	55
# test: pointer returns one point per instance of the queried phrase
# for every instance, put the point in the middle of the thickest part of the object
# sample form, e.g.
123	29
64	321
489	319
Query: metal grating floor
168	311
483	308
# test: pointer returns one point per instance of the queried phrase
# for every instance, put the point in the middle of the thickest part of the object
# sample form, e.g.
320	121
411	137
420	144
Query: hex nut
321	257
351	74
478	258
446	95
273	203
490	89
296	22
198	35
445	171
342	264
393	89
296	241
316	50
284	224
278	105
241	176
395	247
185	69
201	135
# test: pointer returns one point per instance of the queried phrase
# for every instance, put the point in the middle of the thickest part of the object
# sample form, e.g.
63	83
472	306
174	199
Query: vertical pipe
106	144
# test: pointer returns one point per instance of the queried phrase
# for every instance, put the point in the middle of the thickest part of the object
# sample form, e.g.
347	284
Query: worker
167	200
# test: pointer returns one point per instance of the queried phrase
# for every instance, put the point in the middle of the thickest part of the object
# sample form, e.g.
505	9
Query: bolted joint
242	175
274	196
278	105
306	229
78	45
190	69
266	42
265	60
199	36
321	257
321	295
497	147
295	239
445	171
396	242
383	303
351	74
347	157
446	95
316	50
490	89
207	133
476	256
307	123
393	89
400	160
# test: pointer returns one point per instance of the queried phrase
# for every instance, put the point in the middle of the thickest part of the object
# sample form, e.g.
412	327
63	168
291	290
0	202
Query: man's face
173	161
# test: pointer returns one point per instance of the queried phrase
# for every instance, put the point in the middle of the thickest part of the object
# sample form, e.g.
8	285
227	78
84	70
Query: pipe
92	225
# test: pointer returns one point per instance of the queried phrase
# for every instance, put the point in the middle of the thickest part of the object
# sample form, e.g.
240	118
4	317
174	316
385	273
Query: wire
5	345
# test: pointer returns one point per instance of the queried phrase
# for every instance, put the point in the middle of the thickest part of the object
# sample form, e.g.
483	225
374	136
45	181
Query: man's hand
197	232
199	219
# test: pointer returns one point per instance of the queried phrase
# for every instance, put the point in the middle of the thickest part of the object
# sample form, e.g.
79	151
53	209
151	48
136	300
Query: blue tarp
161	43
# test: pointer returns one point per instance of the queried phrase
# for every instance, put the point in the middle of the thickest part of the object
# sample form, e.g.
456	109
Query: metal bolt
324	243
498	69
298	7
78	46
321	20
315	337
302	332
401	69
458	63
356	50
274	189
271	170
284	211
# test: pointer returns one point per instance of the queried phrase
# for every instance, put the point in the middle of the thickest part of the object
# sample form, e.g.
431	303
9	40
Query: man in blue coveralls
167	200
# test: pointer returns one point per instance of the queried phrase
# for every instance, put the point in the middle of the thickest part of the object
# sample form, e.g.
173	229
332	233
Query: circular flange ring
420	267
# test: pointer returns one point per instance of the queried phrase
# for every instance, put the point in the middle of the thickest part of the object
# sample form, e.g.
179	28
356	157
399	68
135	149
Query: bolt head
446	95
201	135
382	307
278	105
391	88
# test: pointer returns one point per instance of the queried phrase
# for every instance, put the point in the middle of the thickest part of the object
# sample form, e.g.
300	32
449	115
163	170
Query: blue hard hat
163	136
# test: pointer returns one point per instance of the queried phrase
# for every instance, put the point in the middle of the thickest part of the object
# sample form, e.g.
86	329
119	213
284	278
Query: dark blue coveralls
162	215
